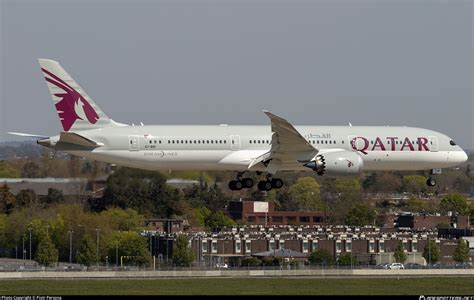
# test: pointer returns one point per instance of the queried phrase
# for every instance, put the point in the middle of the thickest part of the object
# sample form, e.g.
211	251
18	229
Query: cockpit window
452	143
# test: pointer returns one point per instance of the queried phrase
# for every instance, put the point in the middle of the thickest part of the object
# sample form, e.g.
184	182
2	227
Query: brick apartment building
264	213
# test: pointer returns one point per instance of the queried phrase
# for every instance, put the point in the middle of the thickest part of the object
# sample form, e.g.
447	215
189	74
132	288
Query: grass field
239	286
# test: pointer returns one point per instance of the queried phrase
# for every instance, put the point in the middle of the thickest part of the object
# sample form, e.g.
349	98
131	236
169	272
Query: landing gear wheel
235	185
264	185
247	182
277	183
431	182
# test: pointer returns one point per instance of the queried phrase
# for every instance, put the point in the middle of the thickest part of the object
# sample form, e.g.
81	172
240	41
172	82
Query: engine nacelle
336	163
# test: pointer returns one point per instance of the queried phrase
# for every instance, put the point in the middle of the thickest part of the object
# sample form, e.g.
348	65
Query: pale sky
210	62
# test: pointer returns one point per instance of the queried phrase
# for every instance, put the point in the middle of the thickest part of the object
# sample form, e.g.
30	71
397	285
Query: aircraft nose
464	156
460	156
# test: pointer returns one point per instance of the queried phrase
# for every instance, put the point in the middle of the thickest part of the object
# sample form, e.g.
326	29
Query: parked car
396	266
382	266
222	266
413	266
462	265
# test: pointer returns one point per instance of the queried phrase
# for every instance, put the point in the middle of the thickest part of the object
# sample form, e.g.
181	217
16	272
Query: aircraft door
433	143
133	143
235	142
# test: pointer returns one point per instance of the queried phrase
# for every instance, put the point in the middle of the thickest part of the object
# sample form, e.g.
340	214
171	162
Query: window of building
271	245
251	219
317	219
315	245
214	246
248	247
305	246
238	248
204	246
338	246
281	244
277	219
371	246
348	246
304	219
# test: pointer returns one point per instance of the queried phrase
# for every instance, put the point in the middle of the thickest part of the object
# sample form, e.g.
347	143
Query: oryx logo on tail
72	106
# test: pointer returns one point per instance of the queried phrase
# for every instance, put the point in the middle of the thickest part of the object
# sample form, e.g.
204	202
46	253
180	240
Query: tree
46	254
305	192
26	198
360	215
131	247
144	191
7	200
250	261
347	260
415	184
86	254
455	202
3	229
30	170
203	195
54	196
123	219
431	252
183	256
219	220
321	256
340	195
7	171
416	205
382	182
461	253
399	254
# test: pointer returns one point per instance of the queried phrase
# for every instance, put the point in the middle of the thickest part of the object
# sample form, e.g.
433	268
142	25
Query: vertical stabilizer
76	110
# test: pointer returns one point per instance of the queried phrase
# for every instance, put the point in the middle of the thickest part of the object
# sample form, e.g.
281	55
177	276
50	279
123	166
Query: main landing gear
431	181
246	183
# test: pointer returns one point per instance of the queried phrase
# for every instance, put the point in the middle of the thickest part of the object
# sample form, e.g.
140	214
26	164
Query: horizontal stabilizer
79	140
29	135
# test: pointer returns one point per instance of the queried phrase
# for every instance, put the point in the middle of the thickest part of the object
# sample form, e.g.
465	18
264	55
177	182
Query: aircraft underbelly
240	160
397	160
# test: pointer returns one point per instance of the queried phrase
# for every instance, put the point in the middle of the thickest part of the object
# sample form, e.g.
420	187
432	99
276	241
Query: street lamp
30	240
24	251
70	246
97	253
116	254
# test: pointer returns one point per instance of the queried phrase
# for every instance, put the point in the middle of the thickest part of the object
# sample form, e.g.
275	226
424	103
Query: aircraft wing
288	146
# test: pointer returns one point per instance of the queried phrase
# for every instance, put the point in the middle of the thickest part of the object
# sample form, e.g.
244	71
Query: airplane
327	150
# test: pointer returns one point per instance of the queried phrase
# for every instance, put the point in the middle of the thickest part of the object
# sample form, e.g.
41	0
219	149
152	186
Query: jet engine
336	163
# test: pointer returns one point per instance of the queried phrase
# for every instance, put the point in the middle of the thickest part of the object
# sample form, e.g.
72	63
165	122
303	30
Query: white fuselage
223	147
